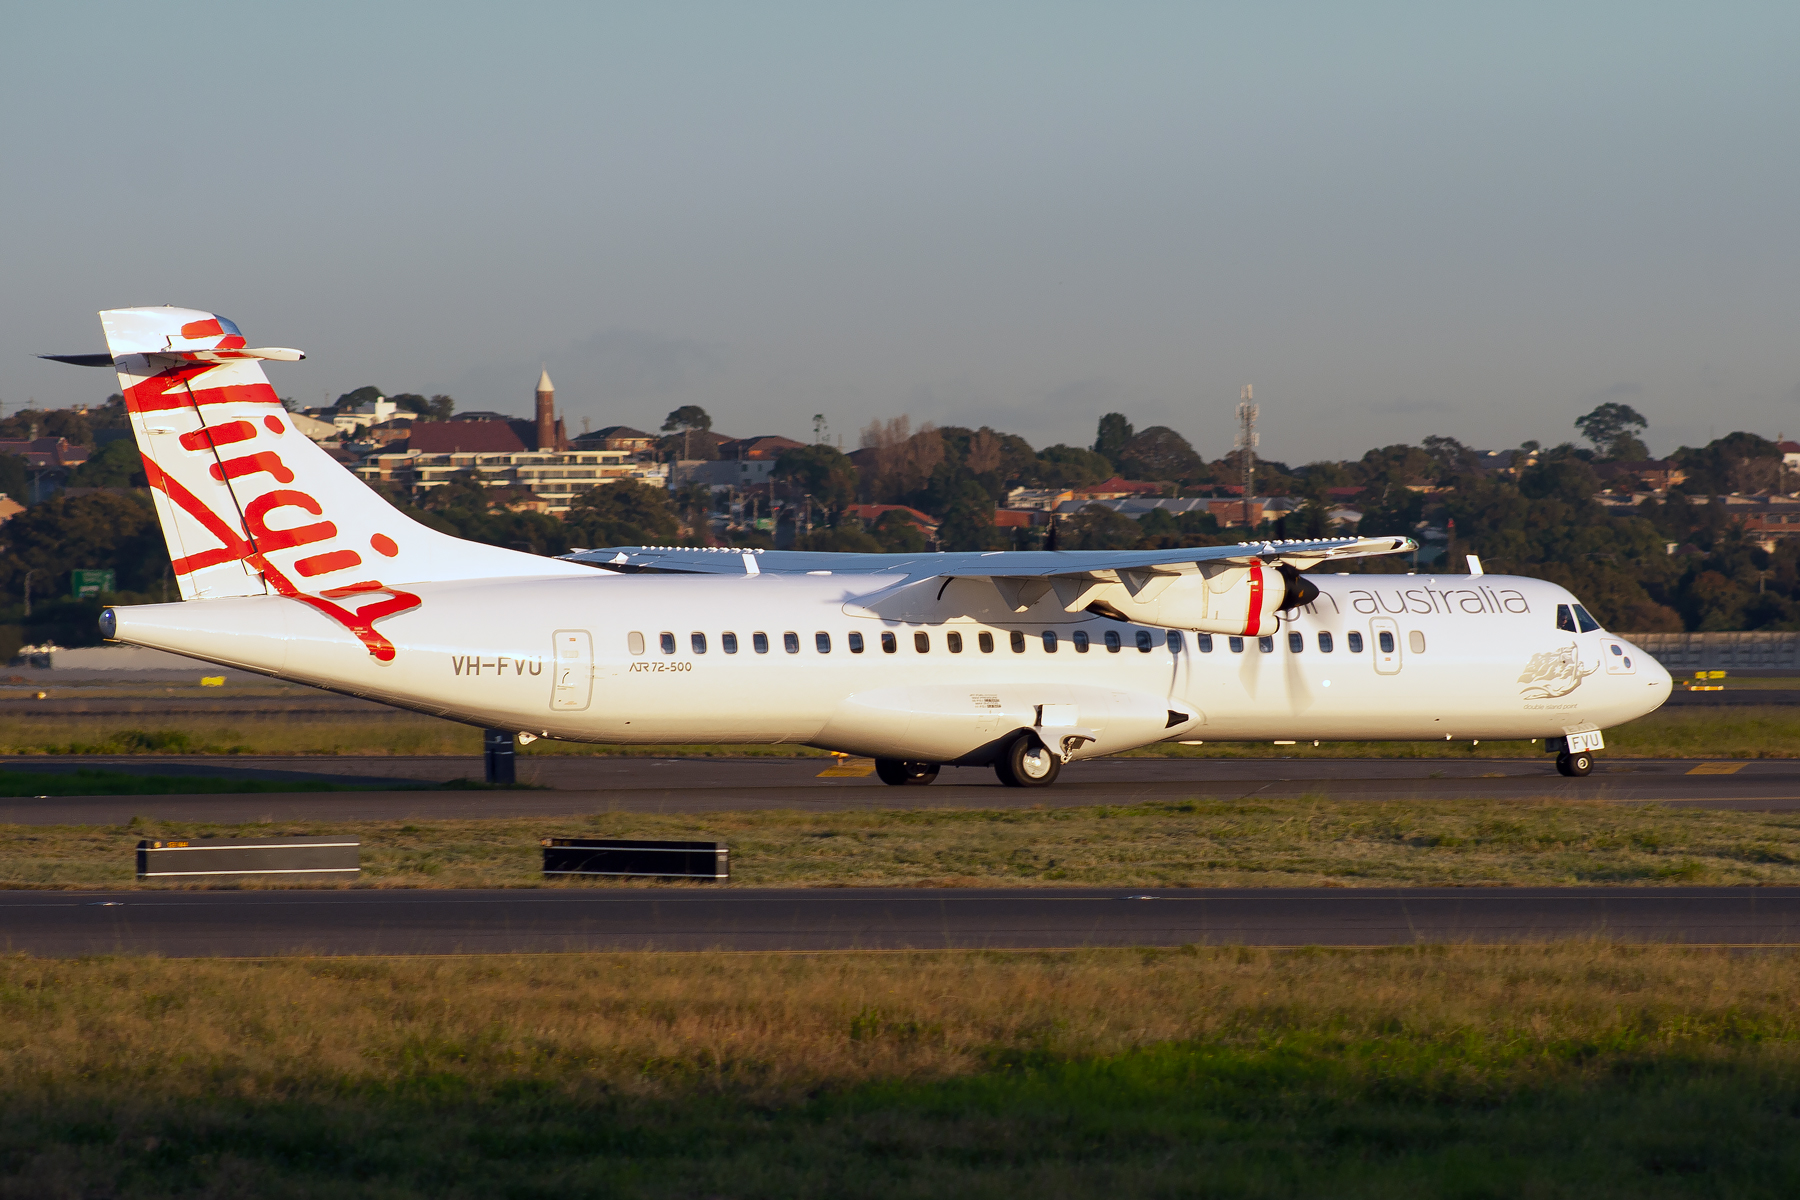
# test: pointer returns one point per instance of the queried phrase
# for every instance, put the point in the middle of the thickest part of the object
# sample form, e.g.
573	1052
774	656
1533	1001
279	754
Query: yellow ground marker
848	768
1717	769
212	681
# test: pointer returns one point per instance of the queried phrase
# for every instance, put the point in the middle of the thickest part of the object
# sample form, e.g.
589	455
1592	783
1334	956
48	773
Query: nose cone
1657	681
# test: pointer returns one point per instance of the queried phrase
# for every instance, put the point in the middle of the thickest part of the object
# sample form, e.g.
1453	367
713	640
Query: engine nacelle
1228	598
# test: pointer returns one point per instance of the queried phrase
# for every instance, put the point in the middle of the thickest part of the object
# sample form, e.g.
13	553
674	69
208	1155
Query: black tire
897	773
1575	765
1026	763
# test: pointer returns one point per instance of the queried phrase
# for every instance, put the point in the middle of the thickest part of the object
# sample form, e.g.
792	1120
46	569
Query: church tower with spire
549	429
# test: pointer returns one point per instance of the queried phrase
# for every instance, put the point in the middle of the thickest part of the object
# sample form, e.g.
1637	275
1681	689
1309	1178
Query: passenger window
1296	642
1386	640
1587	623
1175	642
888	643
822	643
759	642
1565	619
1266	645
1204	641
790	641
1143	641
856	643
634	642
1018	641
698	642
728	642
1049	641
986	641
668	643
1416	640
1236	644
1324	643
1112	641
1354	640
1080	638
922	642
953	642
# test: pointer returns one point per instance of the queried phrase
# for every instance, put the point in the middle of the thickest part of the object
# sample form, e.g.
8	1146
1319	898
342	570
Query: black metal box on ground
616	857
297	858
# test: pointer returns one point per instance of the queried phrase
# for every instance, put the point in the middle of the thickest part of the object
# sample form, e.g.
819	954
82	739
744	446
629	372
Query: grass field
1568	1070
1771	731
1265	843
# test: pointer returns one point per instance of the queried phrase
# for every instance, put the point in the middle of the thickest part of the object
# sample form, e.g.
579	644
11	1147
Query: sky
1393	220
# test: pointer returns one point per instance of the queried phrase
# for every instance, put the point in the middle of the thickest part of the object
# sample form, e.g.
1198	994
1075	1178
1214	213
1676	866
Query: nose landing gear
1578	763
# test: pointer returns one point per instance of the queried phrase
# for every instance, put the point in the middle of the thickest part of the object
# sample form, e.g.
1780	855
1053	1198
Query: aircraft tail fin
248	505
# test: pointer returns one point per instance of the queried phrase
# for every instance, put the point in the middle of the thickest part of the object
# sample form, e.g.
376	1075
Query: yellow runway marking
848	768
1717	769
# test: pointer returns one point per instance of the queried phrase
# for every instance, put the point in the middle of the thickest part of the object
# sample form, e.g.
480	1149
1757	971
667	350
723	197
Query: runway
372	921
577	785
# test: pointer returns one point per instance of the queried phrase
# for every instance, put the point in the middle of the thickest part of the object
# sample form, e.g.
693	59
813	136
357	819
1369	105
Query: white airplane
290	566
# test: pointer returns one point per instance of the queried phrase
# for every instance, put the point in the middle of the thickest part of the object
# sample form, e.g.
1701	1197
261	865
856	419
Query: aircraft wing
999	564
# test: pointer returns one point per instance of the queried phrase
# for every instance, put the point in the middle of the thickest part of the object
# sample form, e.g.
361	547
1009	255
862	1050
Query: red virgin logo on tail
238	459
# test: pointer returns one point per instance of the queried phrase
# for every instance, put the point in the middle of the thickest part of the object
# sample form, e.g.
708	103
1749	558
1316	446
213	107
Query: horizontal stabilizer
81	360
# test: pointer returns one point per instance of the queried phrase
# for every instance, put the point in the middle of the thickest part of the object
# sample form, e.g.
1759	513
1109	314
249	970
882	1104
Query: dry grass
1562	1070
1771	731
1201	843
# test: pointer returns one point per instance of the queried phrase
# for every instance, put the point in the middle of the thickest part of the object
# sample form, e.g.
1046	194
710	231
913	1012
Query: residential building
48	463
871	514
617	437
554	477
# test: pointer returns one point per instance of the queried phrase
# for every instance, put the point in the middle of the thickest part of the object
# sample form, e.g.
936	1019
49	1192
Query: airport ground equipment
617	858
288	858
499	756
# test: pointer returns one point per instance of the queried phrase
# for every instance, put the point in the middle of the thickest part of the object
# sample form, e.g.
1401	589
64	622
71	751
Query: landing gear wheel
895	773
1025	763
1580	763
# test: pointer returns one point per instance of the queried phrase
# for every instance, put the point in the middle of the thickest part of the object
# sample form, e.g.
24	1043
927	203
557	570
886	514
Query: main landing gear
1027	763
895	773
1580	762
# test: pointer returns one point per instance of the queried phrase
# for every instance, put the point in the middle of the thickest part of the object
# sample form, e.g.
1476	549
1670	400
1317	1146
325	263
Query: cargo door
573	675
1384	643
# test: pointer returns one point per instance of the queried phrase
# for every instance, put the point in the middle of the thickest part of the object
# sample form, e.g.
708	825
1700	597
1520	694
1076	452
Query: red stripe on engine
1253	625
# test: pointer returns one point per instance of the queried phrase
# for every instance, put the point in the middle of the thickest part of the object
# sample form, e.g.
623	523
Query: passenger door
1384	643
573	670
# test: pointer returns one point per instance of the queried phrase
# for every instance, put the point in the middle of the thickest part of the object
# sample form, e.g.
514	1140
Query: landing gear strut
896	773
1027	763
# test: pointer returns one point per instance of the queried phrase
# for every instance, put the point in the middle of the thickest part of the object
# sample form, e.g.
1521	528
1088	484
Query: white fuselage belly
1493	664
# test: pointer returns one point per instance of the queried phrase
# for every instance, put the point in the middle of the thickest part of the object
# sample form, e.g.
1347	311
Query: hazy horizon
1393	220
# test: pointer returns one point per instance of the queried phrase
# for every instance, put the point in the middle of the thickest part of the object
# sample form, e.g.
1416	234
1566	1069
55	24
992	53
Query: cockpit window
1565	618
1587	623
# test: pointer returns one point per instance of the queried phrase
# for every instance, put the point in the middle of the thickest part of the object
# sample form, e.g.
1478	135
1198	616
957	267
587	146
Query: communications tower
1246	444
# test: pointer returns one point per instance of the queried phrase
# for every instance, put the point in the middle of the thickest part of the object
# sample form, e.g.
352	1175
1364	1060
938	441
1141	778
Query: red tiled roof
464	437
868	514
766	447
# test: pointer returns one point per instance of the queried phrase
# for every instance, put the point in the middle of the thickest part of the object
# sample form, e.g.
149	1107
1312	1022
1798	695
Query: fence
1757	650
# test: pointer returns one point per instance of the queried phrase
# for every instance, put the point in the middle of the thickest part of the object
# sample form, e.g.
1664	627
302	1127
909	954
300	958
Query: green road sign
91	583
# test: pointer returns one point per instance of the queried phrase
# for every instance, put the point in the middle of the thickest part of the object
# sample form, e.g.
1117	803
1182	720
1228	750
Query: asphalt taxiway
576	785
375	921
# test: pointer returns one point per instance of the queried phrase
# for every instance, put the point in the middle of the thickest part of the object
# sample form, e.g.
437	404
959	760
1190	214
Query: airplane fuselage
814	660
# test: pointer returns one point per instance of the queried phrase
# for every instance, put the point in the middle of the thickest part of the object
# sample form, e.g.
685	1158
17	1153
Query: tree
821	472
15	476
1613	428
1159	453
898	533
434	408
117	465
1110	438
684	421
1098	527
626	513
968	518
1071	466
103	529
1737	462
